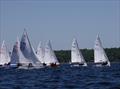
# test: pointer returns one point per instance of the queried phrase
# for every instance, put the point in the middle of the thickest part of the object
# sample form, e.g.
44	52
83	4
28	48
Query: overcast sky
61	21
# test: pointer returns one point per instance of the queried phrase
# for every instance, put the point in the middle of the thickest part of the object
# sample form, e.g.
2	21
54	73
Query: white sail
17	56
50	56
28	50
4	54
76	55
99	53
40	52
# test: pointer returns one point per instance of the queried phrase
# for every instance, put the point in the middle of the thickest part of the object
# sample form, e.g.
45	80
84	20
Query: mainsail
50	56
4	54
99	53
76	55
17	56
28	50
40	52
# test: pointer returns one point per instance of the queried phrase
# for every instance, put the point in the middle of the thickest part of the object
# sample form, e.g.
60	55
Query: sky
60	21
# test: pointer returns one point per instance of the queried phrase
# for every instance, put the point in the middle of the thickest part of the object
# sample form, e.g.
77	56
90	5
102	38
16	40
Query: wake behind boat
77	58
100	57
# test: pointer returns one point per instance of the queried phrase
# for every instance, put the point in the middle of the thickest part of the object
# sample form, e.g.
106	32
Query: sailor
44	64
30	65
104	63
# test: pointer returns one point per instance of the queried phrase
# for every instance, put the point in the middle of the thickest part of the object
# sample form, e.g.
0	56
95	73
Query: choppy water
64	77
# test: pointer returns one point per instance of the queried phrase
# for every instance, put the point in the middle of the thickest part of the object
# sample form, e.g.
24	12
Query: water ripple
64	77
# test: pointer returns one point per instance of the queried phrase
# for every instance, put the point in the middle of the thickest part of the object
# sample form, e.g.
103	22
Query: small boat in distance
4	55
50	58
100	57
77	58
40	52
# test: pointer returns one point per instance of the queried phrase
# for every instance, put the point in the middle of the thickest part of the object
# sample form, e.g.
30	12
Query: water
64	77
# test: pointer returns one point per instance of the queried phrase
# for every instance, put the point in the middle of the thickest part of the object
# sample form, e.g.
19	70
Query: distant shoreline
64	56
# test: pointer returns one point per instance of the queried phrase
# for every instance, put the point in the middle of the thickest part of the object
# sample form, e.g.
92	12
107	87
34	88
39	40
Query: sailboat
17	58
50	58
77	58
100	57
40	52
28	50
4	55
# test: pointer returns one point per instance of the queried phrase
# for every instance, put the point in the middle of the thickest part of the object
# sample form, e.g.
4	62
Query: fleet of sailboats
24	55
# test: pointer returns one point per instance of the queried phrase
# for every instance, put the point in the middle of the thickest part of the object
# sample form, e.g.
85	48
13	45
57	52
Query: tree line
64	56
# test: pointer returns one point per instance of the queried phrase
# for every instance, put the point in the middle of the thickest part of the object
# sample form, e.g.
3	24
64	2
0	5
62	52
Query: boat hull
78	64
102	64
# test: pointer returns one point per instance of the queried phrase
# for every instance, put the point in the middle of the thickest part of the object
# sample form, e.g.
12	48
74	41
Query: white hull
102	64
78	64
